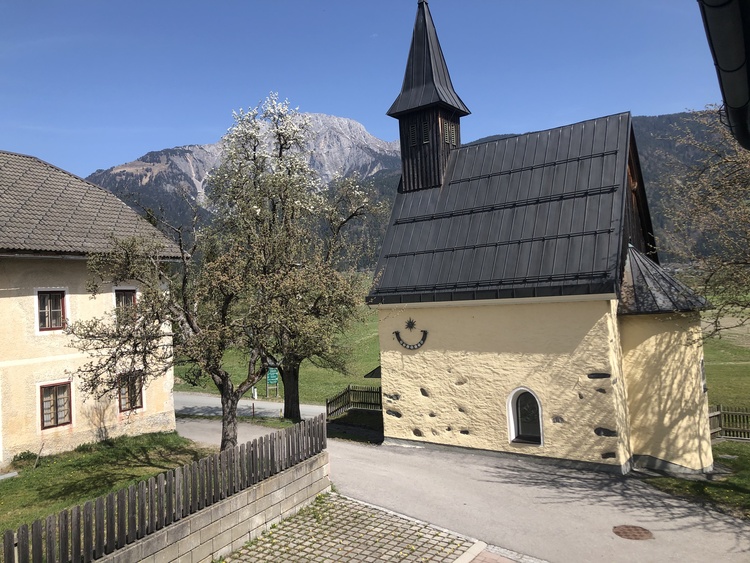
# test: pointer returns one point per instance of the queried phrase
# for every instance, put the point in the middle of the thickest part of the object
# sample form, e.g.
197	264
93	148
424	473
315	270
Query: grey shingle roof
426	81
44	209
539	214
648	289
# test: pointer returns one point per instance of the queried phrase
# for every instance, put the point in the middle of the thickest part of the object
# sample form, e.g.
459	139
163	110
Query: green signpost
272	380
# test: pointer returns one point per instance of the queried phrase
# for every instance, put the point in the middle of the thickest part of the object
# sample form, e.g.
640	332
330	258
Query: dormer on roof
428	109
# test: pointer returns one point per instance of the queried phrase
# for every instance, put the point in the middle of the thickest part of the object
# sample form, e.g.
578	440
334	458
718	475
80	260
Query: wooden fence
354	397
731	423
87	533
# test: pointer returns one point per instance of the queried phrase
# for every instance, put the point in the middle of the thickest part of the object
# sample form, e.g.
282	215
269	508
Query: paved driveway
556	514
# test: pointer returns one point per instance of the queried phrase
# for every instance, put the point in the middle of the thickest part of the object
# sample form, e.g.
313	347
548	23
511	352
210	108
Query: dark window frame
130	391
130	294
520	430
55	407
47	311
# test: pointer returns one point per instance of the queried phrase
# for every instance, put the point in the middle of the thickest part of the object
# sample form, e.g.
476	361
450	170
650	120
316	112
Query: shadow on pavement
358	425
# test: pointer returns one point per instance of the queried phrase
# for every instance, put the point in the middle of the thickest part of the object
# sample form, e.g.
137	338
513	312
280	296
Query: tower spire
426	81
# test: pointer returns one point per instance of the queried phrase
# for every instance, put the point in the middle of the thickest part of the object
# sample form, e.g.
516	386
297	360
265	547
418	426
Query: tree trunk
290	376
229	401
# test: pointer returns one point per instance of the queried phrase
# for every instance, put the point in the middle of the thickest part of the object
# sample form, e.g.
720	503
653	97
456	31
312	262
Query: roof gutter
727	24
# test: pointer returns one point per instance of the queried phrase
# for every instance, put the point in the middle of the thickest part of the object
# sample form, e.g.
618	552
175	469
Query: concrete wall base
567	463
226	526
650	462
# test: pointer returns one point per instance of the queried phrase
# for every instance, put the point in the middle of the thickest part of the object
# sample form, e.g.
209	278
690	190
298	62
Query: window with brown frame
131	391
124	298
51	310
55	401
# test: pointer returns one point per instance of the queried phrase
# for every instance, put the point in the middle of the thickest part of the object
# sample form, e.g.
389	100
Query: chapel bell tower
428	109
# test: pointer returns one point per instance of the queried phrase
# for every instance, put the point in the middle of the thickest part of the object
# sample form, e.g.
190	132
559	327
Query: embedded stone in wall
599	375
461	409
606	432
558	419
580	395
432	415
392	397
601	390
461	382
609	455
465	432
393	413
424	392
418	432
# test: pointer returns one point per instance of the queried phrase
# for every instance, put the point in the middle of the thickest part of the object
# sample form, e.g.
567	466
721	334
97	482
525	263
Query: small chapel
522	307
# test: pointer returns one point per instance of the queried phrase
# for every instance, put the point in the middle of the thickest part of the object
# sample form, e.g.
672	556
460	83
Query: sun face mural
411	324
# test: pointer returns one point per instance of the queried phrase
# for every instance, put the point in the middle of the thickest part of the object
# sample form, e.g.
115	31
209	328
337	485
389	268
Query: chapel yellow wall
668	407
476	355
29	359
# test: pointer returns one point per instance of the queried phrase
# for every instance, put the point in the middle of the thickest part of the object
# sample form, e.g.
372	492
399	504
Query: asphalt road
205	404
552	513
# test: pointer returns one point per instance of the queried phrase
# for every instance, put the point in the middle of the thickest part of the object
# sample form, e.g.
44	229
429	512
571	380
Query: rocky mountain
338	146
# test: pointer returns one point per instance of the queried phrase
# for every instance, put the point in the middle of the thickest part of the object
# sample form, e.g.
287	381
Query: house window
51	310
55	405
425	132
131	391
526	420
124	298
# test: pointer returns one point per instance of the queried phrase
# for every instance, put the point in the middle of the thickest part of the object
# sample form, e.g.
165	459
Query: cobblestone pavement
339	529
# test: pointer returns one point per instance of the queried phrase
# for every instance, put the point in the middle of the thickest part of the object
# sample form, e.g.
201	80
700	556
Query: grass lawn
727	373
730	494
65	480
316	384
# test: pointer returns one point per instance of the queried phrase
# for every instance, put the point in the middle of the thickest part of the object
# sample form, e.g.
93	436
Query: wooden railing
89	532
731	423
354	397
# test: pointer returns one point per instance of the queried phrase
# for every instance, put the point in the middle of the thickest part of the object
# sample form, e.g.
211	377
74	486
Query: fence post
169	497
64	527
88	540
75	534
121	518
99	527
9	547
110	510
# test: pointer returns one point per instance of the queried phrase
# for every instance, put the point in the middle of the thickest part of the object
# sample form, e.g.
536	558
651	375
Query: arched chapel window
526	423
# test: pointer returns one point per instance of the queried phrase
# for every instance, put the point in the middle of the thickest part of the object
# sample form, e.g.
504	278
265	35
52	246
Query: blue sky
88	84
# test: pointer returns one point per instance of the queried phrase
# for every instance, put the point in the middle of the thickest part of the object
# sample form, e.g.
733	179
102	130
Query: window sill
525	442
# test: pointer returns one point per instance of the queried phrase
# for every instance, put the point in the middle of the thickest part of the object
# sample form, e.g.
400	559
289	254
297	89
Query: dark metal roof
727	24
648	289
426	81
44	209
539	214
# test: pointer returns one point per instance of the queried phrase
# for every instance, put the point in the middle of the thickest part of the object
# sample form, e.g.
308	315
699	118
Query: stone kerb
227	525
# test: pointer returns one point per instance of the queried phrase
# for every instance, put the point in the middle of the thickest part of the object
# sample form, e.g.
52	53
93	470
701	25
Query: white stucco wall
669	409
454	390
30	358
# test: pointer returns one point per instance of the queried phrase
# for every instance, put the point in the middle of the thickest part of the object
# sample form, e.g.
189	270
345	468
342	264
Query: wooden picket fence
730	423
99	527
354	397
